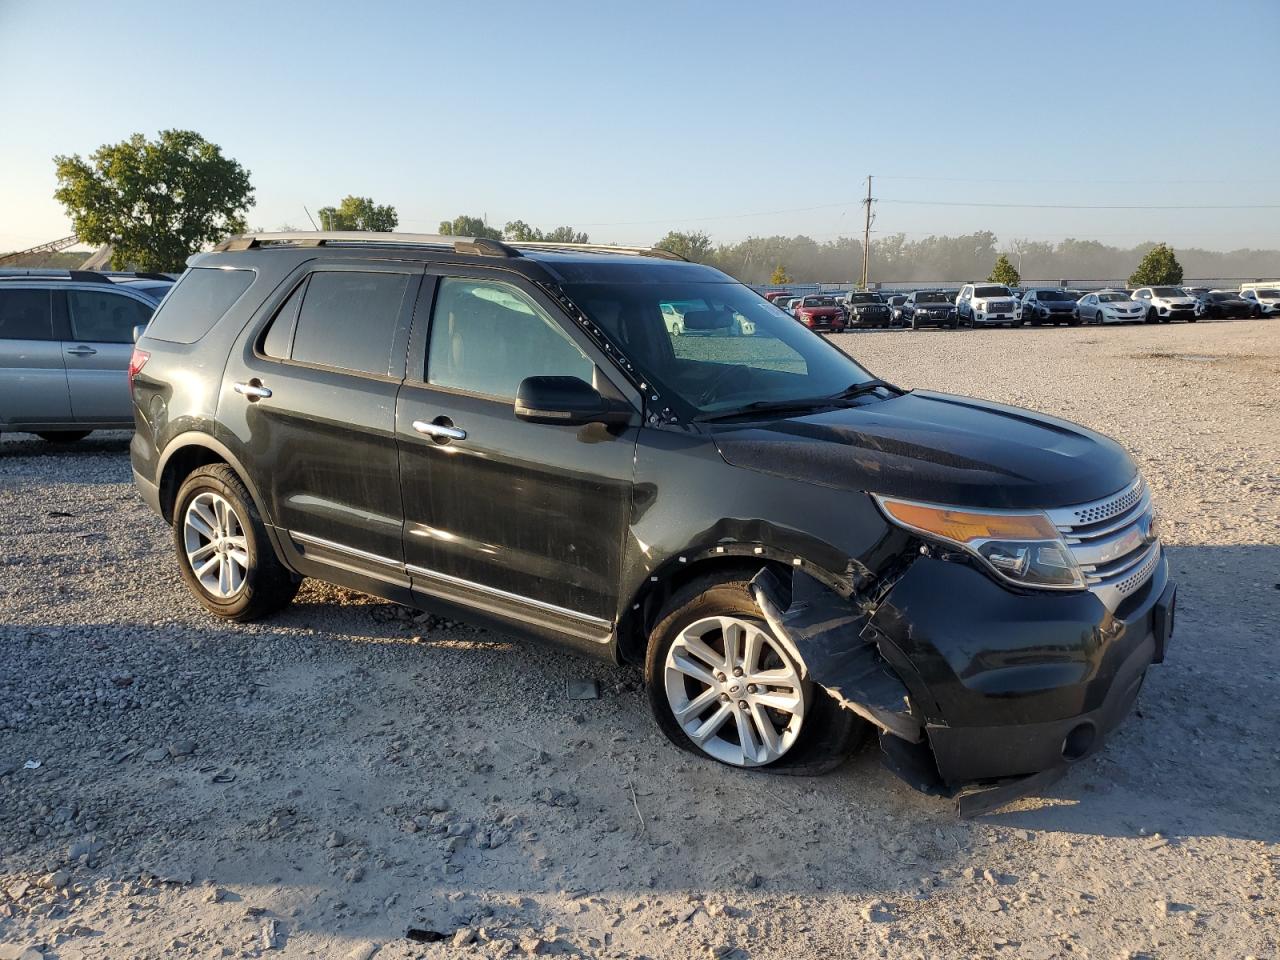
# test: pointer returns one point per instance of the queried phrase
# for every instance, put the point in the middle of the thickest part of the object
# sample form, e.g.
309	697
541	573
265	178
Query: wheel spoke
208	565
751	650
200	553
698	704
712	724
764	726
198	522
747	737
698	648
786	702
224	576
783	676
235	574
691	668
733	634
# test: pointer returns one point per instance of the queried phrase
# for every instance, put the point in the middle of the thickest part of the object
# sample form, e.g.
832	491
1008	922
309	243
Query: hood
1175	301
938	448
819	311
868	306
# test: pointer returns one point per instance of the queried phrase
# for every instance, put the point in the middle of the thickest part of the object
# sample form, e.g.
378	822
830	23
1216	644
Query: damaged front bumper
978	692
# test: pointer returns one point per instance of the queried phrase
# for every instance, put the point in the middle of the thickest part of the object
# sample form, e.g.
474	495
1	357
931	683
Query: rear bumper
149	491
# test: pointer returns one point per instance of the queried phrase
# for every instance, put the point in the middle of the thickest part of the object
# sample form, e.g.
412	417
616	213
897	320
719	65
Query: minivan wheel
63	436
721	685
226	559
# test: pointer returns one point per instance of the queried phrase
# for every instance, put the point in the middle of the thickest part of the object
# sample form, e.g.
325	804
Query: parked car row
995	304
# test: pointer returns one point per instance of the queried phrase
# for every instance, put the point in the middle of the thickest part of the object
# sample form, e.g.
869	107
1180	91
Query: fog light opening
1078	742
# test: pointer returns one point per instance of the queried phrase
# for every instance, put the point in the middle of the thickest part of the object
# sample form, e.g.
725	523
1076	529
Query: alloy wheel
217	549
734	691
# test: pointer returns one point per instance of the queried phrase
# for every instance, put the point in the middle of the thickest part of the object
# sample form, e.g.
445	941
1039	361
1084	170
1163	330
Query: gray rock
155	755
362	951
182	748
335	840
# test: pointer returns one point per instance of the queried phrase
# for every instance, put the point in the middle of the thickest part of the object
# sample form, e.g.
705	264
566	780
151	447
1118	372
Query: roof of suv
562	262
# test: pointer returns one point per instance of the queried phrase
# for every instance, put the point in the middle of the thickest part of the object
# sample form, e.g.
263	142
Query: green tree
1159	267
1004	272
517	231
464	226
155	201
779	276
359	213
691	246
567	235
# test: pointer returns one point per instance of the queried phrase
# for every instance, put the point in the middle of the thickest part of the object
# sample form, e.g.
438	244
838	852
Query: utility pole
866	235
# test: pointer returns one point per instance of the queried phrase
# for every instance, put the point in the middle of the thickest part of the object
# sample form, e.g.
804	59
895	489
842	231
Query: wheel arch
190	451
727	560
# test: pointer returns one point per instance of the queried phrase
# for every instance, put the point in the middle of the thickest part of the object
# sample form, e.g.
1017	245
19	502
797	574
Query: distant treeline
968	257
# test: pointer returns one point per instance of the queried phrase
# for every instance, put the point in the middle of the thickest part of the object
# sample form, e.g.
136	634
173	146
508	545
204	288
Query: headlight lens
1023	548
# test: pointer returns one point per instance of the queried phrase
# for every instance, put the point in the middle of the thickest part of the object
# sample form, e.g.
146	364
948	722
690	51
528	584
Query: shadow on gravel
29	445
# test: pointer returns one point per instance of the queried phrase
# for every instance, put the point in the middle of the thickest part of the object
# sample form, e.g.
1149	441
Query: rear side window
202	298
25	315
349	319
279	337
105	317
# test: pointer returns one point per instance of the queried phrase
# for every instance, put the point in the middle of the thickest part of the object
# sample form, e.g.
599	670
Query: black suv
513	434
929	308
1051	305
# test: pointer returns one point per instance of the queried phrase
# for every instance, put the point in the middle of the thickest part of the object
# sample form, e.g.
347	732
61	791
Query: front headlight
1022	547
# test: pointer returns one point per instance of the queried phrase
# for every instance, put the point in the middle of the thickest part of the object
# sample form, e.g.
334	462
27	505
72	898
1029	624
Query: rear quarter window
25	315
201	298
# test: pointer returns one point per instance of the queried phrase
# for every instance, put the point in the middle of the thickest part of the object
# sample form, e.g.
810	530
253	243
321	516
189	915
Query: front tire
225	556
721	686
63	436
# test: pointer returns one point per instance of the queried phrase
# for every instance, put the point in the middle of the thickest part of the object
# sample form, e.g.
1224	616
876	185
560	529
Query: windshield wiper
866	386
770	406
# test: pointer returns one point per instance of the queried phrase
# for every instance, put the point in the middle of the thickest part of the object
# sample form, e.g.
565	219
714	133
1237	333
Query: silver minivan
65	344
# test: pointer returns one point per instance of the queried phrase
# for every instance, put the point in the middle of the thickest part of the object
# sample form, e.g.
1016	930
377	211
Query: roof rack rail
602	248
53	273
482	246
477	246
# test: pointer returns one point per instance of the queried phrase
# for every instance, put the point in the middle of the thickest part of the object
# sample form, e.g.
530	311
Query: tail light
137	361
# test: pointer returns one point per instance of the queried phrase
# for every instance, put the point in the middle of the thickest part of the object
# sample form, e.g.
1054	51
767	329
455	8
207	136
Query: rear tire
234	538
827	734
63	436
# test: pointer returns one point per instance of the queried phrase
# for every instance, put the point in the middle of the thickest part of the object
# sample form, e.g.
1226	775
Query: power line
1084	206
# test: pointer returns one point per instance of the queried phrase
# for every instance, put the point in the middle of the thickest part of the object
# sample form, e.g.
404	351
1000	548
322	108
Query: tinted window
992	292
348	320
486	337
932	298
279	336
105	317
1169	292
25	315
201	298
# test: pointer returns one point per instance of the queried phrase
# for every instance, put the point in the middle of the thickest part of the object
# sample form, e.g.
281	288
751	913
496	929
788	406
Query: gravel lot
321	784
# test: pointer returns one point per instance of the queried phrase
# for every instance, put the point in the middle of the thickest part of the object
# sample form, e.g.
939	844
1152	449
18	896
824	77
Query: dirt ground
324	783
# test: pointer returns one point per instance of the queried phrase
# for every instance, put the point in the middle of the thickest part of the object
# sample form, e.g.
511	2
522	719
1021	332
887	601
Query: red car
819	312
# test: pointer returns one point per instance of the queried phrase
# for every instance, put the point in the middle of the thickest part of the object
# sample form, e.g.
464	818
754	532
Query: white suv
1263	297
1166	304
989	304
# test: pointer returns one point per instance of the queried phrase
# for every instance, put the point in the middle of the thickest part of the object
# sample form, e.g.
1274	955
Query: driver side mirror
569	401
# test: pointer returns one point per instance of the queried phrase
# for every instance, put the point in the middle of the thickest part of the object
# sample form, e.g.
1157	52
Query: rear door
96	351
33	384
311	392
518	519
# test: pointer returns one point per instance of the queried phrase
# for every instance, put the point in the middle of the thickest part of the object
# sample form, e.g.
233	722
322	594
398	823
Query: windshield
734	349
863	298
1168	292
992	292
1113	298
897	301
1054	295
932	298
819	302
1224	296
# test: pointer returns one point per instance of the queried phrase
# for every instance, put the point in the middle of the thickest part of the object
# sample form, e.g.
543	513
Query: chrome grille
1111	540
999	306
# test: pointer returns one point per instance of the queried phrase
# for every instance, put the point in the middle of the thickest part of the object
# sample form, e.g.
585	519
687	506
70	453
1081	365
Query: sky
629	119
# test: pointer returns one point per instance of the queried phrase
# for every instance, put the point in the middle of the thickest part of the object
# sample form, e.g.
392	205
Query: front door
312	393
97	354
522	520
